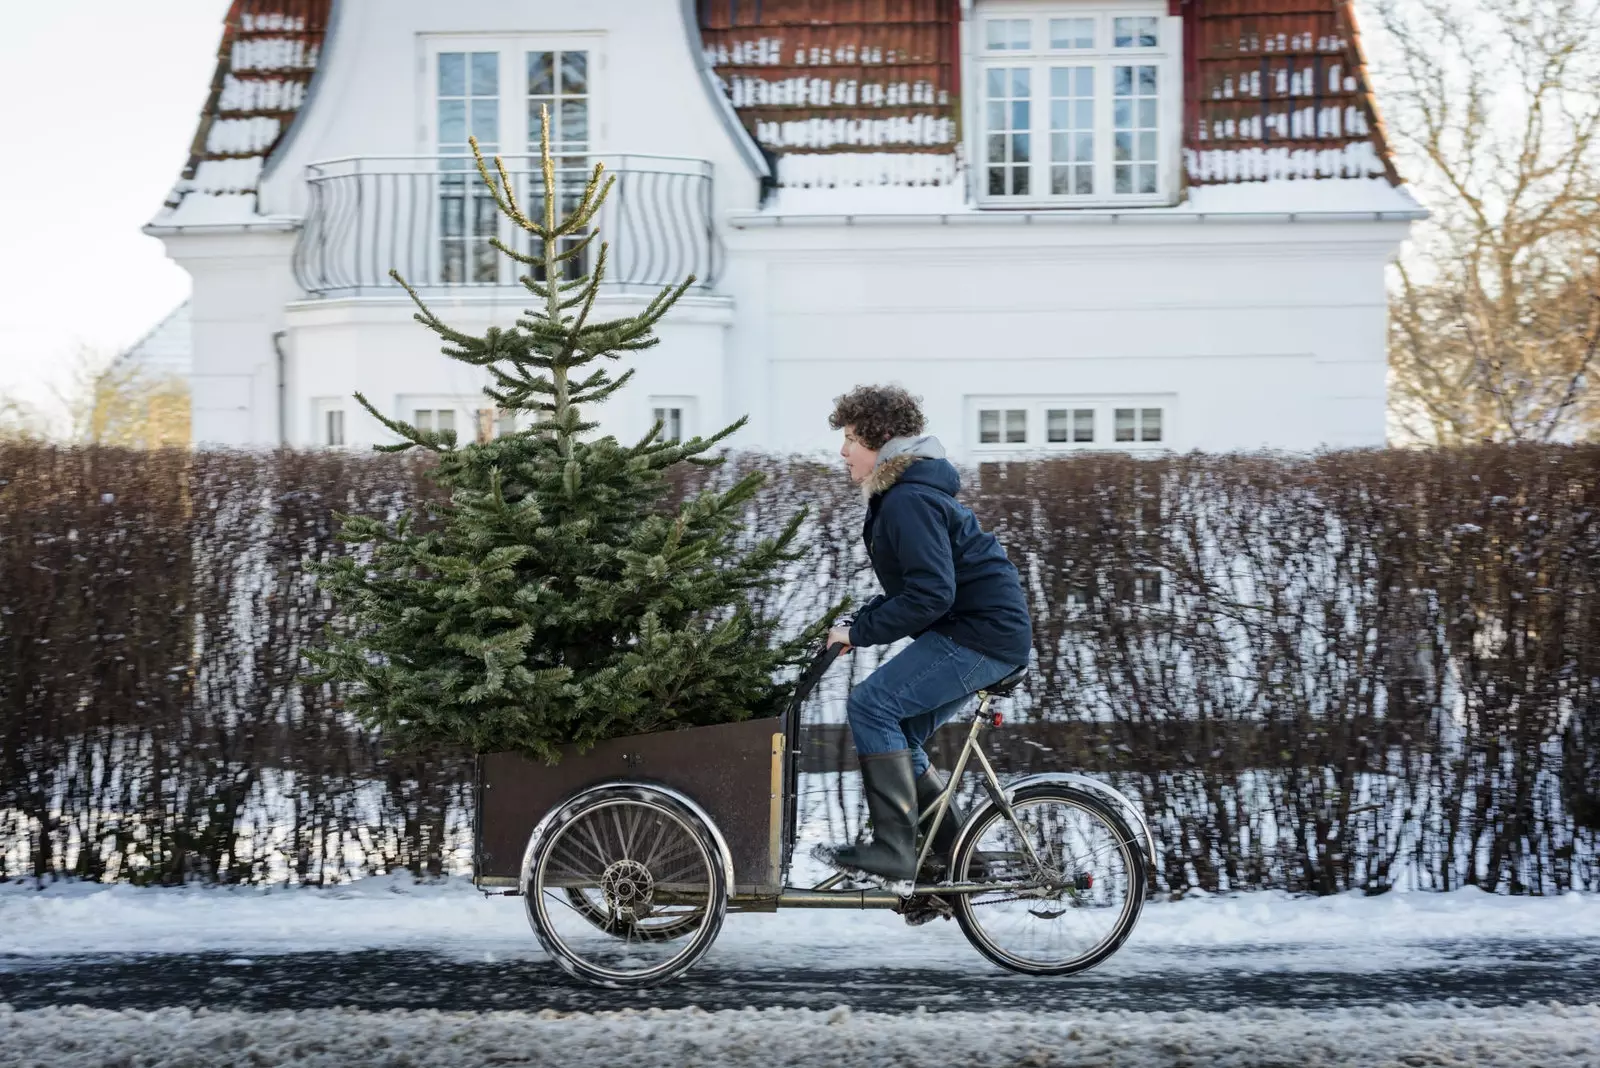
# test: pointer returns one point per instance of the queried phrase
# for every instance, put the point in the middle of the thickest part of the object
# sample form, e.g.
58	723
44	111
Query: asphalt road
1480	972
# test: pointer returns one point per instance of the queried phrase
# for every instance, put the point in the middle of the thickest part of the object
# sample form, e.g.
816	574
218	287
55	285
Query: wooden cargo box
734	771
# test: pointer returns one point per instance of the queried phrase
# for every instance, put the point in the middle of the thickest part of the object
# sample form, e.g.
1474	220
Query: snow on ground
1347	931
1547	1036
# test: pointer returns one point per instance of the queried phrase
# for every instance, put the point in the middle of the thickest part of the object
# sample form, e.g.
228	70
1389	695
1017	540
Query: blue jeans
900	705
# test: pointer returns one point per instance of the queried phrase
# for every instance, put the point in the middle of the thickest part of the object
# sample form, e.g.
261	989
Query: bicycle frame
823	895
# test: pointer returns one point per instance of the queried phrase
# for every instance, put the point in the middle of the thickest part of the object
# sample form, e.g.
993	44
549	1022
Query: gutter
971	218
283	388
282	225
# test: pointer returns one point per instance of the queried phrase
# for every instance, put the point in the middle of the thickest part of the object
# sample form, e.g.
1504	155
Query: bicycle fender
1118	802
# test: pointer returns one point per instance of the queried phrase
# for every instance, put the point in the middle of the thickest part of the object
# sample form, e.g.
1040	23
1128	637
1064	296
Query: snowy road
392	975
1500	972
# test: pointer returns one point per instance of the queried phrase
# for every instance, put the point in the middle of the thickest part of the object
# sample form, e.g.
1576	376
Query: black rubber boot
886	779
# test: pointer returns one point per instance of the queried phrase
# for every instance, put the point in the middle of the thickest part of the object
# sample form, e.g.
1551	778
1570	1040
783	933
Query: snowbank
1348	931
1550	1036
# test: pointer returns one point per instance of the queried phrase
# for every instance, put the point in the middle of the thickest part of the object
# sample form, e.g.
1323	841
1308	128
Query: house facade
1065	224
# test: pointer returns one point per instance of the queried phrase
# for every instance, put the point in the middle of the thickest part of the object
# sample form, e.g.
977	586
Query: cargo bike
628	856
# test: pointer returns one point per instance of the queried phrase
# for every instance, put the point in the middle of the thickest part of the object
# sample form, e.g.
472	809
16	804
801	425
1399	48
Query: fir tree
555	598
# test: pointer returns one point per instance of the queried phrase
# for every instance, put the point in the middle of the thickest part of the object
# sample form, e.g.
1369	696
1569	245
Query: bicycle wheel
1074	913
626	886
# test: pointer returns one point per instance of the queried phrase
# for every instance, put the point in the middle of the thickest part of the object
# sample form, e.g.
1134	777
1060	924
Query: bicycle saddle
1004	687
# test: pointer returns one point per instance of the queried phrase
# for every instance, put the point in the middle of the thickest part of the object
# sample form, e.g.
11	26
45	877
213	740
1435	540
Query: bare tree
1495	319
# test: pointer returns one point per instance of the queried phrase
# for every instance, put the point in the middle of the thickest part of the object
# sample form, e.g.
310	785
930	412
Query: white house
1066	224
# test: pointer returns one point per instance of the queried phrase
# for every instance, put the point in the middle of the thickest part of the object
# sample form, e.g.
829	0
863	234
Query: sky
109	92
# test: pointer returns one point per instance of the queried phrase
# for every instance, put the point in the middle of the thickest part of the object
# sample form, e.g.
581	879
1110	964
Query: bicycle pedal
923	910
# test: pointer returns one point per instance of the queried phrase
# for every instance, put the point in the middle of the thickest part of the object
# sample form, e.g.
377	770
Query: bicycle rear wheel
1073	914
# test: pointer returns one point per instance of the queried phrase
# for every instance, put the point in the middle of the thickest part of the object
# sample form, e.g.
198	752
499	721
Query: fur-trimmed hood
895	458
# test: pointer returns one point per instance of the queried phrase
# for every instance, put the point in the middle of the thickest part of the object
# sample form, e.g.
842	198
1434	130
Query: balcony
431	219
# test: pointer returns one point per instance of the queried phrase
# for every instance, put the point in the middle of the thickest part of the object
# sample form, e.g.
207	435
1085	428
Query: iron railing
431	218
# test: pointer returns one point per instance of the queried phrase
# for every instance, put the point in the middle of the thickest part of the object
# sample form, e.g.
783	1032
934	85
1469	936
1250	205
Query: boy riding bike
947	584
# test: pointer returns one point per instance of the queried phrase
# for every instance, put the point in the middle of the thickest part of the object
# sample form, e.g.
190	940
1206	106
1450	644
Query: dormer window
1079	105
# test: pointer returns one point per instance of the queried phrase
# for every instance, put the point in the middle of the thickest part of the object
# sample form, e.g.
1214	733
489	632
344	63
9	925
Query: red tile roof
1274	88
268	54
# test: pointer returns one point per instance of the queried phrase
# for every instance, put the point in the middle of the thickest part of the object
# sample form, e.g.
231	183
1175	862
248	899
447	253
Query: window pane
1021	35
1019	148
1055	423
506	424
422	419
1071	130
452	122
1137	31
997	82
452	74
486	74
445	418
989	426
997	114
1072	33
1016	426
1150	424
541	73
1083	424
997	181
1135	137
1019	181
997	35
574	72
334	431
1020	81
486	120
1124	424
574	128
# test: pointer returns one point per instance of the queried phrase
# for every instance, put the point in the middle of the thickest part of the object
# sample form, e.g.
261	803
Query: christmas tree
555	598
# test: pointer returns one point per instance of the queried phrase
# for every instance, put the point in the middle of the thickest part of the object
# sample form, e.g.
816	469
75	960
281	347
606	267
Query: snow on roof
268	54
167	350
1272	91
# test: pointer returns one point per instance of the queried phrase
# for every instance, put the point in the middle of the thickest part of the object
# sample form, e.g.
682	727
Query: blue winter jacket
939	570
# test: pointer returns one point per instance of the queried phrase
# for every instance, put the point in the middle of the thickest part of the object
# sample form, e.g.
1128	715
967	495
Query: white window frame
1167	57
514	139
465	407
1104	406
513	48
321	409
687	405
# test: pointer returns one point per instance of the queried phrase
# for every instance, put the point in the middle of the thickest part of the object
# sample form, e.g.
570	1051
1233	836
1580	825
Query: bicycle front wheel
1063	906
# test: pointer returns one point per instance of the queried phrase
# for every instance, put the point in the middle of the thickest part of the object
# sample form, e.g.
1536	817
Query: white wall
1262	334
241	284
372	345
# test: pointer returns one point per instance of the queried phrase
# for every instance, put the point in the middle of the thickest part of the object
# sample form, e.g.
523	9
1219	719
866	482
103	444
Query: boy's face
859	459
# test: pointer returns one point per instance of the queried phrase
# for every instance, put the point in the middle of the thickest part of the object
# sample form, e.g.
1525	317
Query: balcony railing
431	219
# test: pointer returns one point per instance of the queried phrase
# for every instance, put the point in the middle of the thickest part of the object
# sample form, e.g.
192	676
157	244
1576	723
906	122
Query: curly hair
878	413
